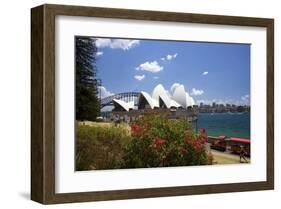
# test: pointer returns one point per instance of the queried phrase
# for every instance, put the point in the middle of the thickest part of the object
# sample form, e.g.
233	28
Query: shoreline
221	158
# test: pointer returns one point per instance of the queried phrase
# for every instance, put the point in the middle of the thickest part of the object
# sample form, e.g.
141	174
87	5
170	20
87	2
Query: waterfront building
177	105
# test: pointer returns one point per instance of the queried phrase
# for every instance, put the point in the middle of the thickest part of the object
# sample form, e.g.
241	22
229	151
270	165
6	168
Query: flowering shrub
152	141
158	141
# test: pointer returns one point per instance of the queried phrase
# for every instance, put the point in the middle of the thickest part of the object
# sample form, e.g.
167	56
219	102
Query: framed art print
134	104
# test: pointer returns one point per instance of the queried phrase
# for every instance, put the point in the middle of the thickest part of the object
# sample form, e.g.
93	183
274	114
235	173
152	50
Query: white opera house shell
159	98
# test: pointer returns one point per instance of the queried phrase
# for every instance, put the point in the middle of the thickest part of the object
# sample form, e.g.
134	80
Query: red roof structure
240	140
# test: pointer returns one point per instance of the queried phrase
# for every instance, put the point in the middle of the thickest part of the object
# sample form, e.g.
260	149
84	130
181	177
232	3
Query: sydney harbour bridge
126	97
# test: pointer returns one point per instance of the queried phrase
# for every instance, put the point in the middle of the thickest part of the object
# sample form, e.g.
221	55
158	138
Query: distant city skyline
220	108
214	103
210	72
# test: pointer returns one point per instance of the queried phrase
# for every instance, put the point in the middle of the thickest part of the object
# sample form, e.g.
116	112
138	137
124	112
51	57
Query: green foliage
100	147
87	102
160	142
152	141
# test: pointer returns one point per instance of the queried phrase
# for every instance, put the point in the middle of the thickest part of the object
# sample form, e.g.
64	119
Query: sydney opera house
130	105
159	98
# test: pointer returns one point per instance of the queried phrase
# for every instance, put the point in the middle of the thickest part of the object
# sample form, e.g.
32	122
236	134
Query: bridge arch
126	97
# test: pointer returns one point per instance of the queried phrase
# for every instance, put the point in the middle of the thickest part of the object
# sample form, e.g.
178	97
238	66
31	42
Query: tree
87	102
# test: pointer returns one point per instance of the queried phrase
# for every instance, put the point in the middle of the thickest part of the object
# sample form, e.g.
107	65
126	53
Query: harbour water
225	124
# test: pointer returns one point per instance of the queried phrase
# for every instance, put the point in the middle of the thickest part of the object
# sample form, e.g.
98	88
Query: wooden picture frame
43	103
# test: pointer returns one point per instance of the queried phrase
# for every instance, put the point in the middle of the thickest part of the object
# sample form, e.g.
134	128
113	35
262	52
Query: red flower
202	130
159	142
197	144
204	135
136	130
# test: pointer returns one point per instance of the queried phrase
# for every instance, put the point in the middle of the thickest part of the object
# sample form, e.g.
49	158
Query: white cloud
124	44
173	87
139	77
246	99
169	57
197	92
99	54
103	42
155	77
153	67
103	92
205	73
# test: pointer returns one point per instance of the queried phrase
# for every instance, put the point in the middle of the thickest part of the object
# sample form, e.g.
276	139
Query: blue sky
210	72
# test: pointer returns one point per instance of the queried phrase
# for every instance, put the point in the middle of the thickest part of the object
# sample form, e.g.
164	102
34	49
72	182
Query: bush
152	141
100	147
159	142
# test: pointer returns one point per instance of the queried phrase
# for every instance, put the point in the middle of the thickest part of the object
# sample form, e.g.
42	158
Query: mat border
43	103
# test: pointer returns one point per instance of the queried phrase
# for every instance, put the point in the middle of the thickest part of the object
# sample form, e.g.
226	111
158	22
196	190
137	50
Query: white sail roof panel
125	105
